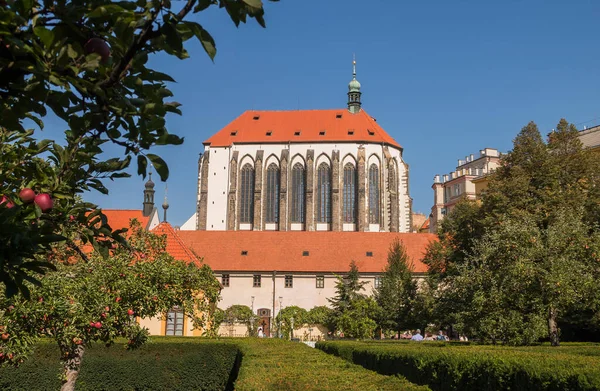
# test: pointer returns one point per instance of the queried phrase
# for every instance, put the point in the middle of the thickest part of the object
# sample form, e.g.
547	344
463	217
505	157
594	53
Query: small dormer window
371	132
369	253
297	133
256	117
322	133
269	133
305	253
350	132
244	252
338	115
233	133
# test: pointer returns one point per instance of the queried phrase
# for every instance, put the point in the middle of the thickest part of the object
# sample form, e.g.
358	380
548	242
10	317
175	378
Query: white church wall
154	220
218	188
218	175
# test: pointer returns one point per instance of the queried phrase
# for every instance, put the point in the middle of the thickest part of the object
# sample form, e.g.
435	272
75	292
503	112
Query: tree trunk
72	367
552	327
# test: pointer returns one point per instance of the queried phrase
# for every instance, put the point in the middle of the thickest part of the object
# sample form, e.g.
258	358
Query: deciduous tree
100	300
86	62
536	254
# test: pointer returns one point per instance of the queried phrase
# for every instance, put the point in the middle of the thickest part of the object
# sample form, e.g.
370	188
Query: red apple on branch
98	325
130	312
27	195
98	46
44	201
4	200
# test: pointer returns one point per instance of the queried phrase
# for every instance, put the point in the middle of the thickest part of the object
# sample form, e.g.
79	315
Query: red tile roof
281	127
120	218
175	246
425	224
328	252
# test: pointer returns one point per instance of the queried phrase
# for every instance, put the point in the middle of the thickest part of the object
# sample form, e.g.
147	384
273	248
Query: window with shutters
247	194
374	200
349	194
298	193
323	193
272	196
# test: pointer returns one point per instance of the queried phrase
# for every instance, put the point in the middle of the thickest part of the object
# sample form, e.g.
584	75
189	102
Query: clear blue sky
444	78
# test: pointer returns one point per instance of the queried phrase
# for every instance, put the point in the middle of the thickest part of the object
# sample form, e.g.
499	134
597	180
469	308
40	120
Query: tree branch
146	35
76	248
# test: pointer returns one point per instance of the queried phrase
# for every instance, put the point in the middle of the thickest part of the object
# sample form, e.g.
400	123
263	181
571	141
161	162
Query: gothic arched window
298	193
349	210
323	194
374	200
272	196
247	194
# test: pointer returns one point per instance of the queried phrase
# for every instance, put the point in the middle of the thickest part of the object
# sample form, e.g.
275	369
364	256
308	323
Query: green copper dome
354	86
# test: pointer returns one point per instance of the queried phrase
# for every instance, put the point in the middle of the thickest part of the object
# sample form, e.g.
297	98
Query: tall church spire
148	197
354	91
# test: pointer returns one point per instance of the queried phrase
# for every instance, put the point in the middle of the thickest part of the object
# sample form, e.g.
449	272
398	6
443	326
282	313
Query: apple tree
86	63
100	300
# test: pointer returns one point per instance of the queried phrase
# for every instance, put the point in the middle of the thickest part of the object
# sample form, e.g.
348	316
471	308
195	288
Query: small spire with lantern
165	205
354	91
148	197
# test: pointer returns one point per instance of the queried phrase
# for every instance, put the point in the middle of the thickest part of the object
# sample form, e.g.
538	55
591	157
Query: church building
286	200
303	170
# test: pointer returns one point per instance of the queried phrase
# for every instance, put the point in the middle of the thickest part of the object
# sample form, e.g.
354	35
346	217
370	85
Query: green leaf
160	166
142	165
35	119
45	35
254	3
203	4
172	37
207	41
105	10
72	52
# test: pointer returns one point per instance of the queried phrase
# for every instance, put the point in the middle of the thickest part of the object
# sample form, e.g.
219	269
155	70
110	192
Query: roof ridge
171	231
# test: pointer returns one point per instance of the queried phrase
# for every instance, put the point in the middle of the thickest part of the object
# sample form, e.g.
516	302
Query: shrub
451	367
165	364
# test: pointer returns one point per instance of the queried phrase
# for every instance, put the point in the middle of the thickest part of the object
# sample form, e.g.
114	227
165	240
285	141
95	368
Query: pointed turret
354	91
148	197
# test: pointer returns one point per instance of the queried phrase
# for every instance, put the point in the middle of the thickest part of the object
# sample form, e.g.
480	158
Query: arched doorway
264	320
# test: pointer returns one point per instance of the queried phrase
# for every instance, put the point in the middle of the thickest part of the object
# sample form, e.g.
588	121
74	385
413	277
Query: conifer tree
397	292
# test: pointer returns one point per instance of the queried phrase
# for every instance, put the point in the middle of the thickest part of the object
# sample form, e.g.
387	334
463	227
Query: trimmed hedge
176	365
166	364
272	364
180	363
445	366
